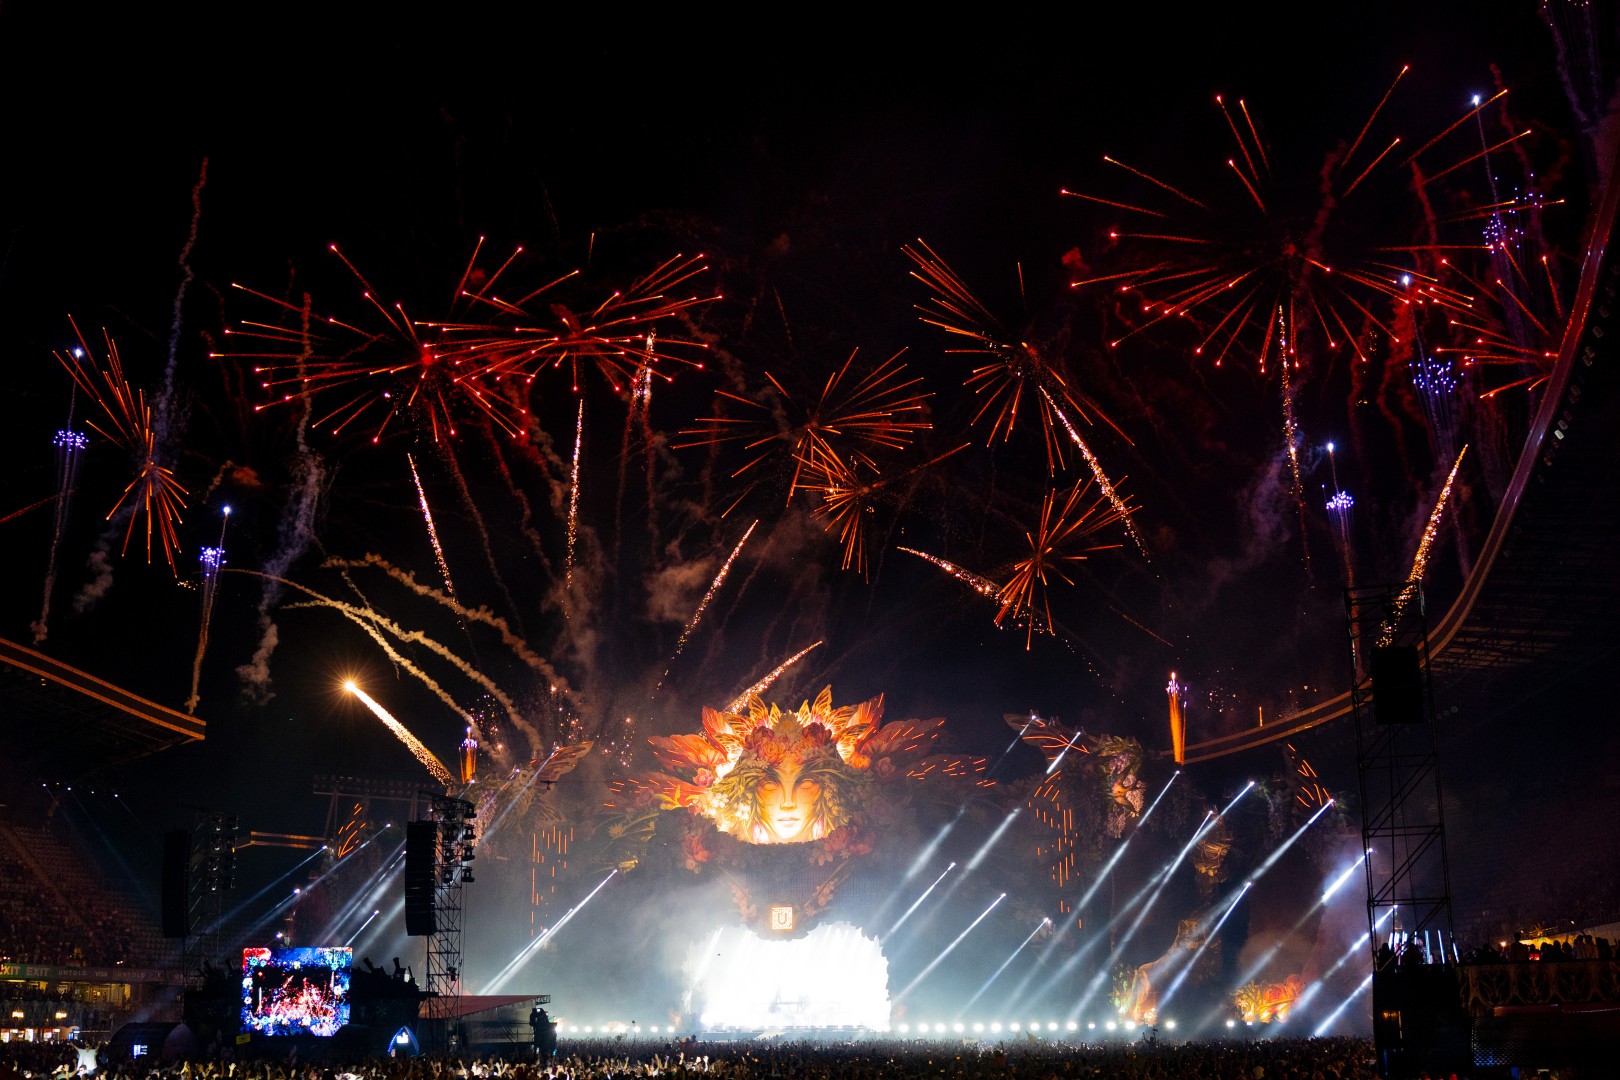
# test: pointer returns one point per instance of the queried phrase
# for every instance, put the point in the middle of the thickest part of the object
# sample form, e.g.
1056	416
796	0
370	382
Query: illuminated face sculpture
785	786
771	776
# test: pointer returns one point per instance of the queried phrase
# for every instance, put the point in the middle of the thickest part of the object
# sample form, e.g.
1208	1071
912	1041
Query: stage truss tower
211	871
453	856
1398	765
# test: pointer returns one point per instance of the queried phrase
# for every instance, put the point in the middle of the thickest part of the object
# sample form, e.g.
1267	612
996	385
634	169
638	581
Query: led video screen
295	991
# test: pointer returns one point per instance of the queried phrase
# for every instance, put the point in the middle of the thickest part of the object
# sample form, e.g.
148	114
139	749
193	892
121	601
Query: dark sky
799	152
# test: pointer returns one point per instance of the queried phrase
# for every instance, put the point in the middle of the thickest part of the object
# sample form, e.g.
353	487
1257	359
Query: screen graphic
295	991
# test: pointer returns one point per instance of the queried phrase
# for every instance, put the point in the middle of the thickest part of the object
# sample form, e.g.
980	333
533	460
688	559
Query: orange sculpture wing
902	738
691	752
562	760
1048	736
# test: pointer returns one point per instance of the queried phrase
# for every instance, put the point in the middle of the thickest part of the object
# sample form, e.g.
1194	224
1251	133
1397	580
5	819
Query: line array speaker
421	847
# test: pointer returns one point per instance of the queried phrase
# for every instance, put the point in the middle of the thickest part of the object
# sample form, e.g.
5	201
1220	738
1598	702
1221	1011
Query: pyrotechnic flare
979	584
573	500
714	587
851	421
1025	593
154	495
469	762
1014	368
69	445
1178	720
210	561
376	626
1291	432
985	588
1339	507
420	752
433	533
771	676
1420	560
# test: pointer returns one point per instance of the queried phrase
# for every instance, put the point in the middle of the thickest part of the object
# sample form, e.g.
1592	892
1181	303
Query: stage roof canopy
64	723
473	1004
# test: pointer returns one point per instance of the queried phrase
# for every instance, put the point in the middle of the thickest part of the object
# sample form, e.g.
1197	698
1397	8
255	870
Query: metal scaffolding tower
453	856
1398	764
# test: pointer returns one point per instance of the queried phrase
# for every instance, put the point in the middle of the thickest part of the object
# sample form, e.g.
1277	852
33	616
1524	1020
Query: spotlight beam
250	901
1113	860
362	926
1271	860
925	972
1339	881
1119	949
1152	885
1265	958
1209	935
371	894
922	860
915	904
505	974
1001	830
1336	1013
1013	956
1355	947
1091	891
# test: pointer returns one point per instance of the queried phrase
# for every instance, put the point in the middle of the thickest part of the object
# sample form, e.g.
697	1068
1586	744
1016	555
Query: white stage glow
833	976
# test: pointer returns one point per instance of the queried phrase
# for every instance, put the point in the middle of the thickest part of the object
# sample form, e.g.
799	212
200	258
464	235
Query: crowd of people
1270	1059
37	926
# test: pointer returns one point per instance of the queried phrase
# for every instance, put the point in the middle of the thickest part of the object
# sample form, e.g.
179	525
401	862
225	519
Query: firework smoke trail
433	533
69	444
481	615
1420	561
404	663
525	508
741	700
375	624
422	753
1121	507
714	587
164	420
1291	430
573	501
448	455
211	560
294	532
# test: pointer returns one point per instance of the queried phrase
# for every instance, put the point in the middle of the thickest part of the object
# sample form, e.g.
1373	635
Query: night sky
799	153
